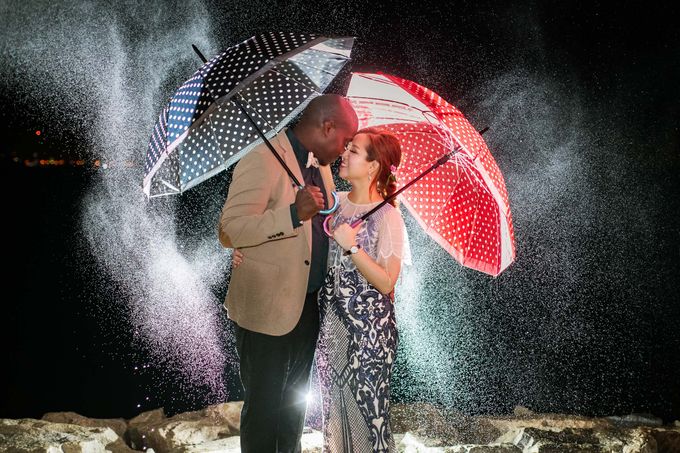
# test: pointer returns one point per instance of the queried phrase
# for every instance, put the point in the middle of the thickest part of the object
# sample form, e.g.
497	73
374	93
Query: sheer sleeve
392	239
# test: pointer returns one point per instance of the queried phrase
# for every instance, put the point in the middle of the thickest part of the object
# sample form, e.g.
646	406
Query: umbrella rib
439	213
170	186
458	175
464	162
300	63
294	80
472	231
444	144
397	120
212	132
390	101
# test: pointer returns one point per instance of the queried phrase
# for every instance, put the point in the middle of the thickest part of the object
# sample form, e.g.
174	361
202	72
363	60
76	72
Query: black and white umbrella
234	101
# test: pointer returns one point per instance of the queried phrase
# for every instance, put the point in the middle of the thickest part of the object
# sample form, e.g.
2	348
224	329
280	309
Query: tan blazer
267	291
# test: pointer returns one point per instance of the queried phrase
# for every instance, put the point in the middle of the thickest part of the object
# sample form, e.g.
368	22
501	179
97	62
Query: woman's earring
369	177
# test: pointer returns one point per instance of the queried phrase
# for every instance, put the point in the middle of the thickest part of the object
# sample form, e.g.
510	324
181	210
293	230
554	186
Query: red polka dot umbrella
461	201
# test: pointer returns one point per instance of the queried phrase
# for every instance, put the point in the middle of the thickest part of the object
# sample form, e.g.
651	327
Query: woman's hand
236	258
345	235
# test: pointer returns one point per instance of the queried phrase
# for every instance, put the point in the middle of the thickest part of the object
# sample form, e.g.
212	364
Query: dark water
68	344
56	355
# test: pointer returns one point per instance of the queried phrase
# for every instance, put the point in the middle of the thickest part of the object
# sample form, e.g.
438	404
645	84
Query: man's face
335	136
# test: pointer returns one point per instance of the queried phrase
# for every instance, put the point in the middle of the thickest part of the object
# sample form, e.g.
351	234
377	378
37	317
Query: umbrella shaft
267	142
243	109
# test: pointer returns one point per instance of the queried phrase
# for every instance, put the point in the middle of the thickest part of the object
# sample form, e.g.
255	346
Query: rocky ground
420	428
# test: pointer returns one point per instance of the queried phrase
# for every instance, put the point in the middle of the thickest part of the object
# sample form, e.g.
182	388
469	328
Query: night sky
115	304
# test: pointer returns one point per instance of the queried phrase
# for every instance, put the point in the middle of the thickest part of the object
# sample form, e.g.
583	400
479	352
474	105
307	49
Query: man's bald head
329	107
326	125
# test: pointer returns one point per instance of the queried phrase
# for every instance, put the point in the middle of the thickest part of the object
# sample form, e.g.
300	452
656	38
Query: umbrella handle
332	209
327	230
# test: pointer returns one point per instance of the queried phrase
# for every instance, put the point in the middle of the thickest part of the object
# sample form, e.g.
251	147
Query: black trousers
275	374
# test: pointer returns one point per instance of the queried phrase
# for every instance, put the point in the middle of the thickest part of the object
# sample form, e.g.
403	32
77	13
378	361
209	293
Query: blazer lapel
290	160
289	156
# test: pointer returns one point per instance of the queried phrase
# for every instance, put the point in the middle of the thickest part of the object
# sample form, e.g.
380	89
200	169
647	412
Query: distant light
38	132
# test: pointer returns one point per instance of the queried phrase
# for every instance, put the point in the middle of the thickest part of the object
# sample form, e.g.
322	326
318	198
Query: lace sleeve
392	239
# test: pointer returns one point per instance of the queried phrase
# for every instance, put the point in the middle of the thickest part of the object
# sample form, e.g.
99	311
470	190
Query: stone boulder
35	436
667	439
137	427
185	430
118	425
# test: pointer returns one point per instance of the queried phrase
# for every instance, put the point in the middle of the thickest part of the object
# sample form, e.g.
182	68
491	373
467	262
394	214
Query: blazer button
307	262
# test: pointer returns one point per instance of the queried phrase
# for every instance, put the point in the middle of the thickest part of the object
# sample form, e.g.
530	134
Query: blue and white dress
358	336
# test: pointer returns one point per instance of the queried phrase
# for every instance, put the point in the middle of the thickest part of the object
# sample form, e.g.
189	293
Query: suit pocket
254	282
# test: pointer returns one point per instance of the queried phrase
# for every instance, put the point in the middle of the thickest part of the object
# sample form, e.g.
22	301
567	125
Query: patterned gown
358	337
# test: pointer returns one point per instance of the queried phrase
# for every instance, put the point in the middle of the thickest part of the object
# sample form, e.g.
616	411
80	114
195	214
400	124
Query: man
272	296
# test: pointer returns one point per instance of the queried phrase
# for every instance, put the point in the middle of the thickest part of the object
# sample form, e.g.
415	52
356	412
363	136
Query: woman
358	335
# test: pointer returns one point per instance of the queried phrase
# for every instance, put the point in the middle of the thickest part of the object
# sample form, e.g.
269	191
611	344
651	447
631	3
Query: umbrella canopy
202	131
463	204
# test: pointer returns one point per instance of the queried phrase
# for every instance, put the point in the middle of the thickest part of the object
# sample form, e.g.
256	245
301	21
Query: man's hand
308	202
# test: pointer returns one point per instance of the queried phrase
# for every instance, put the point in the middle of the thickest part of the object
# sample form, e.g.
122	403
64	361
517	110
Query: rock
148	417
414	442
31	435
543	421
521	411
172	436
188	429
667	440
500	448
118	425
427	420
134	434
411	442
226	413
635	441
636	420
613	439
227	445
413	417
536	440
312	442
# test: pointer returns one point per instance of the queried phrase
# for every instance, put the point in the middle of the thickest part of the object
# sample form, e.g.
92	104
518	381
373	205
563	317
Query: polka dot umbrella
455	189
235	101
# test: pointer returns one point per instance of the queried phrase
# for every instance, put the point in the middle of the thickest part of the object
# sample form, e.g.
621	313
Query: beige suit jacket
267	291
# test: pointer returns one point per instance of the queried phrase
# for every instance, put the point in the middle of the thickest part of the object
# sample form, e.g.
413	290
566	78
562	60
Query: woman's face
354	165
